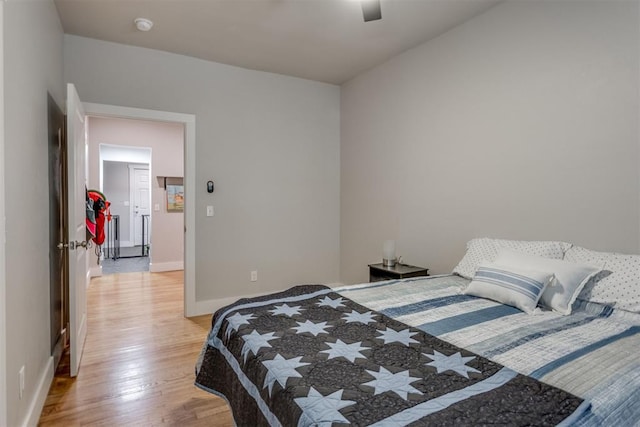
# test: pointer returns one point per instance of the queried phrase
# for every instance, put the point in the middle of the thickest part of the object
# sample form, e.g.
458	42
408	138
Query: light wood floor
138	362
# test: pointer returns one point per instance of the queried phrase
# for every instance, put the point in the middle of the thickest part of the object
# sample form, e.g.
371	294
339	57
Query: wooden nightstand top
398	271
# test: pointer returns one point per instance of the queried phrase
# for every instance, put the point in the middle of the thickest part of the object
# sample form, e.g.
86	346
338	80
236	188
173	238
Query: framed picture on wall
175	198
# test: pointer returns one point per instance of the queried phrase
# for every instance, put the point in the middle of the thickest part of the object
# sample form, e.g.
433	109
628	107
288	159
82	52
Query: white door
78	267
141	205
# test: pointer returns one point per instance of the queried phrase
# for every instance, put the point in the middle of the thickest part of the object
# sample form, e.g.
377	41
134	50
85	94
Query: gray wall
270	143
521	123
32	66
3	283
116	187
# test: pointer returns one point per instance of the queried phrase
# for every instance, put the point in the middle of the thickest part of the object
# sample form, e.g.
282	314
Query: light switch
209	210
126	203
156	207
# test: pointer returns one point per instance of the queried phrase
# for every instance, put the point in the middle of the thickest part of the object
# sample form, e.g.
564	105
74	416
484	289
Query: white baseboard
40	395
95	271
159	267
334	285
212	305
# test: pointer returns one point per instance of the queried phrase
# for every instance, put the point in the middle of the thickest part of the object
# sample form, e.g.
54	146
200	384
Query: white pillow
486	250
511	285
569	277
621	288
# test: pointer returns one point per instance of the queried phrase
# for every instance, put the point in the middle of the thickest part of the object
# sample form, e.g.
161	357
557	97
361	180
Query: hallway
139	358
130	260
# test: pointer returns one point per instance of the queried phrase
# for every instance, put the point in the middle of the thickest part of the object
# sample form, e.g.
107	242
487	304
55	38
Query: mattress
586	360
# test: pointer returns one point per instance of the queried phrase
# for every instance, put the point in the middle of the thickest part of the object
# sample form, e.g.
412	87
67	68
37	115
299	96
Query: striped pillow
515	286
569	277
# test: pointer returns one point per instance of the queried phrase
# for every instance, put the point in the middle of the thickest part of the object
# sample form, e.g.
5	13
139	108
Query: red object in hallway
101	208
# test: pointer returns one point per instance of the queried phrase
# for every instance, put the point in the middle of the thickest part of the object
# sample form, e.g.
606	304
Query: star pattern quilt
312	357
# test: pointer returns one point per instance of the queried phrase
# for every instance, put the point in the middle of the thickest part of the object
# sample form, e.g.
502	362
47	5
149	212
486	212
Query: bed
429	351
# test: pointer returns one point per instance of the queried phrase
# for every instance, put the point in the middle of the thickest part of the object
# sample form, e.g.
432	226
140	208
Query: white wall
121	153
166	143
269	142
32	66
521	123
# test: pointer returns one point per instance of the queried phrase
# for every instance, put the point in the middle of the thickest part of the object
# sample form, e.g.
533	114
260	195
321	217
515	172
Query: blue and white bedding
586	363
592	353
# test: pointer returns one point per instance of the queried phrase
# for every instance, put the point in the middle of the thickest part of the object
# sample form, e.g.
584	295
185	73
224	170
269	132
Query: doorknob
76	244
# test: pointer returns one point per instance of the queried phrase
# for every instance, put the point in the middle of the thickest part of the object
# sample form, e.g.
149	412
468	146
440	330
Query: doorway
189	123
125	173
58	257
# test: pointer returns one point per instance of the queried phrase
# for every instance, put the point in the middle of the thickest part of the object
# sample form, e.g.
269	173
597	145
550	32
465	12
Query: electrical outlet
21	380
254	276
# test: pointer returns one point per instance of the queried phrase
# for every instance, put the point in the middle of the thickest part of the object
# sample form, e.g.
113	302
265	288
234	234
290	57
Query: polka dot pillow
621	288
484	249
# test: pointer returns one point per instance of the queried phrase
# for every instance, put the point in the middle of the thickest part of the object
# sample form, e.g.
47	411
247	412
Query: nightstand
378	272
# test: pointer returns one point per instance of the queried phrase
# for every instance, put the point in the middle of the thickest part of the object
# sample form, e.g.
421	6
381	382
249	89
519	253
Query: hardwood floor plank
139	359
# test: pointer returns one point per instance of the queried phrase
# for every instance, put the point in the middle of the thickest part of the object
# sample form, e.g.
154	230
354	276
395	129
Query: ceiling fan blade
371	10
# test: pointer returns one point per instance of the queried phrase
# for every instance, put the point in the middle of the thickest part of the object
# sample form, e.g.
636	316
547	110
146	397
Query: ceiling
323	40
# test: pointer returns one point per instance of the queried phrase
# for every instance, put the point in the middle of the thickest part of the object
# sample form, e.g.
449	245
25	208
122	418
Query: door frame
3	289
58	229
130	157
189	122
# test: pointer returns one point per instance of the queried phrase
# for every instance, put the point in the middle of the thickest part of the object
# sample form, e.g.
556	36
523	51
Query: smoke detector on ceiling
371	10
143	24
